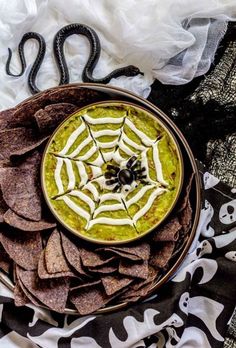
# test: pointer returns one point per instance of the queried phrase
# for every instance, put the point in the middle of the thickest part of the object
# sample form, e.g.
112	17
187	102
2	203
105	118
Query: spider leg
140	177
116	188
139	171
131	161
112	181
111	167
136	165
143	181
109	175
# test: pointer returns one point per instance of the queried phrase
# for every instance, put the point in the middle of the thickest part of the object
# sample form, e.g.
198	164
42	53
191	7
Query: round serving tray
108	93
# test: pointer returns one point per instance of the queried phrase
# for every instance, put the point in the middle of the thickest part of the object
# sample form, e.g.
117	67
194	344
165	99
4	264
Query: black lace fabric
205	111
220	85
221	159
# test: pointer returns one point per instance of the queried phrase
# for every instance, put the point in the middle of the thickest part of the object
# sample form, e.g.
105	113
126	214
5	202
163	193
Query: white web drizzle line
92	188
82	173
69	172
83	158
144	138
57	175
110	196
103	120
148	205
108	207
138	195
125	139
105	220
103	132
144	163
70	175
158	165
88	154
72	139
80	147
125	148
133	143
107	156
106	145
77	209
96	172
116	156
84	198
97	147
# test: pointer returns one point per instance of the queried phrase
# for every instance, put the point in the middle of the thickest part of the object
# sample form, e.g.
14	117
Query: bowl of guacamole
112	172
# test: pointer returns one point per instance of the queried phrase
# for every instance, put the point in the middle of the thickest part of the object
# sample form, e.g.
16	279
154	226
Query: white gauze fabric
171	40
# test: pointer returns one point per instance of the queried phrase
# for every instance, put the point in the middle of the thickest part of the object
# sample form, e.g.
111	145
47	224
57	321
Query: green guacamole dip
111	172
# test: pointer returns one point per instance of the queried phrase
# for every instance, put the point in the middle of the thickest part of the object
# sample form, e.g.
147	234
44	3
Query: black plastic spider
125	176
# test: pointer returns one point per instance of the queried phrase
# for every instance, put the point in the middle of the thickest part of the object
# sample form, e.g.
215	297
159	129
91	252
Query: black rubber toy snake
58	44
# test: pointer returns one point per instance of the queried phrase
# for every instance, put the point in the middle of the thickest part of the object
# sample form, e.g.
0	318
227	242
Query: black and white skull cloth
191	310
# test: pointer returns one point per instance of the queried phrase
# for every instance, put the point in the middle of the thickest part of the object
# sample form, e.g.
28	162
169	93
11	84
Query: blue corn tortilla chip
136	252
20	223
88	300
3	206
160	257
92	259
43	273
72	254
51	116
18	282
185	217
168	232
24	250
18	141
20	298
86	284
111	268
51	292
134	269
6	119
5	261
21	192
24	112
55	259
184	197
113	284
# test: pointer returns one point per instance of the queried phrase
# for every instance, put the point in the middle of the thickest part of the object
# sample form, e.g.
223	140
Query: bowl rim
197	181
105	104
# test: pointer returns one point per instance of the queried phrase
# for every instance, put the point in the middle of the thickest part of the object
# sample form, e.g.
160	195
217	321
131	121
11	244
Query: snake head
133	71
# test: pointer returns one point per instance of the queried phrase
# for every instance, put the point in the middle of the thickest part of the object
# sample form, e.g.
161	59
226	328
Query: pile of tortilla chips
48	265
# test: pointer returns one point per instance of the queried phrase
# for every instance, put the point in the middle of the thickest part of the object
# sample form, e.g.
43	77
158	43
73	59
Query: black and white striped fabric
192	310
